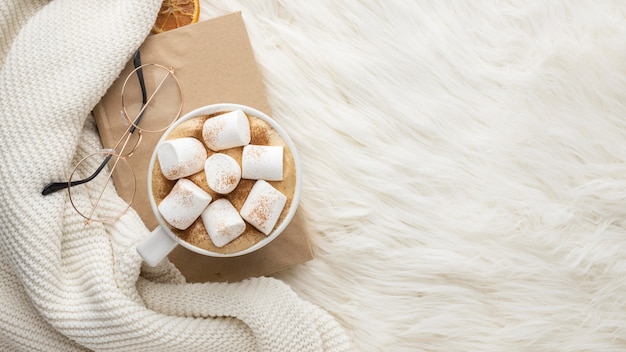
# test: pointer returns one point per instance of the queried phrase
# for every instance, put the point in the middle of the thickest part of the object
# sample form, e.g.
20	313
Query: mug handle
156	246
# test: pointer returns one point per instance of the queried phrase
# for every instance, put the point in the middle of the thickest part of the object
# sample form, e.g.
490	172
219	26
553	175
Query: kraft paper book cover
214	63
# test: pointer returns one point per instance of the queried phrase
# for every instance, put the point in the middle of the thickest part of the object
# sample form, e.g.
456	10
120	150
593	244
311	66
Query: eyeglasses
151	101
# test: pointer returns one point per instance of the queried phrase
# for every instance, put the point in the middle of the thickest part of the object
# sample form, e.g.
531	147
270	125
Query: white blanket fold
66	286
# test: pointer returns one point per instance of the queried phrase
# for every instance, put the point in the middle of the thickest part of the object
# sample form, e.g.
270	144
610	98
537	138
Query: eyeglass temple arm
142	85
57	186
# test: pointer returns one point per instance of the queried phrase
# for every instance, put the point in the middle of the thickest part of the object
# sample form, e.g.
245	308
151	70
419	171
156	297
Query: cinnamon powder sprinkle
185	197
177	171
211	132
224	180
261	210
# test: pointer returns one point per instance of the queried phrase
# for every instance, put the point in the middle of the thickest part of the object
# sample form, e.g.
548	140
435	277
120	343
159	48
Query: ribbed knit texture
70	287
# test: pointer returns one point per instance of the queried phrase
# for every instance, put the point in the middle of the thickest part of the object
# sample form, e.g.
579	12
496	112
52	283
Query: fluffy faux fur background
465	167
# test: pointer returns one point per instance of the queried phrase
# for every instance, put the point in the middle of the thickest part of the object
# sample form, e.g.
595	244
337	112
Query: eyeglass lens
163	98
86	197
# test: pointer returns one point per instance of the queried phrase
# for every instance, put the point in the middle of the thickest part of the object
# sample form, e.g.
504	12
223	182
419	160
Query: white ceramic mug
162	240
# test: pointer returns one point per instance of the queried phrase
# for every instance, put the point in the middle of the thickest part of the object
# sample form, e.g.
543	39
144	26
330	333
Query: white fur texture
465	167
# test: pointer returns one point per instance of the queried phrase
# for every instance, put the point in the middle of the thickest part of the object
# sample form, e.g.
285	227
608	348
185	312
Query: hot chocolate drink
261	133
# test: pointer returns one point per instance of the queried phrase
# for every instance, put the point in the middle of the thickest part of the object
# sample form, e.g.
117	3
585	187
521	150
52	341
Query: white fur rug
465	167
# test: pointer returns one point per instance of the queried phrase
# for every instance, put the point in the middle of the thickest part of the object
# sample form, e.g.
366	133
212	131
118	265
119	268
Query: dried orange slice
176	13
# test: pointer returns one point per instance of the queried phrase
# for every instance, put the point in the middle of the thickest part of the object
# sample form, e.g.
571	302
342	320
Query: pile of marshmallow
186	156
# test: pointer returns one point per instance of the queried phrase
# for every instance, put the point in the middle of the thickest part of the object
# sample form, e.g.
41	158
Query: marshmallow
263	206
227	130
222	173
184	204
181	157
262	162
222	222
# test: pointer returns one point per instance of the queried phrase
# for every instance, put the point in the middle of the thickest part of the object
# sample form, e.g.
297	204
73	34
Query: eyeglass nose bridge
126	141
134	146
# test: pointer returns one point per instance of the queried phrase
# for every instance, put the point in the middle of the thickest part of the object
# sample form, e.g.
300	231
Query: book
214	62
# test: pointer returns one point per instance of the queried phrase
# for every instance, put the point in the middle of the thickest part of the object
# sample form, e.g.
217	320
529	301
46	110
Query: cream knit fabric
70	287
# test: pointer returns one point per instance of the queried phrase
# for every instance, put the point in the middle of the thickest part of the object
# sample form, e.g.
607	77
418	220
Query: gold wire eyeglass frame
122	144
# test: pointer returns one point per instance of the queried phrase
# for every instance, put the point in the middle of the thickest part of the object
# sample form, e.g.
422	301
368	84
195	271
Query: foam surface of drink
261	133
